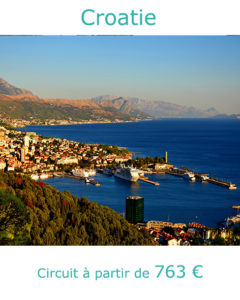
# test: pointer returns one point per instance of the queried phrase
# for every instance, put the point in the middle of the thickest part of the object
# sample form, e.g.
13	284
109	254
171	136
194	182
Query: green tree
13	219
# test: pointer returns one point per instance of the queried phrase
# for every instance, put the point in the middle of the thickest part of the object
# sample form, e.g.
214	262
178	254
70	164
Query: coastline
68	145
87	122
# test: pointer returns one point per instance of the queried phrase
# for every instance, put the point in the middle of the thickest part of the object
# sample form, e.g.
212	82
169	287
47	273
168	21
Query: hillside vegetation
35	213
42	111
21	104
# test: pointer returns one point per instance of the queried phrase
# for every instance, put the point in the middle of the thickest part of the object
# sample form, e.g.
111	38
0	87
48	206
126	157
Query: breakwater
201	177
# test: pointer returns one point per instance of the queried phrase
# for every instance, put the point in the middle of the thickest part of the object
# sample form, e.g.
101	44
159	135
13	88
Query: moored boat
189	176
43	176
87	180
127	173
204	178
83	172
34	176
232	186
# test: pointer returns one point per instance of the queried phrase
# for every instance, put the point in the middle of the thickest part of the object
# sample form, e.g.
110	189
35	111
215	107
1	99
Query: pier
94	182
236	207
145	179
225	184
177	172
91	180
72	176
202	178
206	178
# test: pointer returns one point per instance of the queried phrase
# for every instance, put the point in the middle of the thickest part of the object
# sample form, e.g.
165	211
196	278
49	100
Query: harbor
132	174
179	198
91	180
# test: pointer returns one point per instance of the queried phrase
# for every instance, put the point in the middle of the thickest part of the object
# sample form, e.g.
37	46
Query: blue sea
210	146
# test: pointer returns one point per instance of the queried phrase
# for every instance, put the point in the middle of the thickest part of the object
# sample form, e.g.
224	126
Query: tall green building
134	209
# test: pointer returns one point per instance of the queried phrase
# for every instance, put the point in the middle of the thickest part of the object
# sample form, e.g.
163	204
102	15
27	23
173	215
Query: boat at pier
83	172
189	176
34	176
232	186
230	221
43	176
87	180
203	177
127	173
90	172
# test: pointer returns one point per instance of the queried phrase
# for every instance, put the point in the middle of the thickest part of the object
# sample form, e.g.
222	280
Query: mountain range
157	109
8	89
22	103
17	103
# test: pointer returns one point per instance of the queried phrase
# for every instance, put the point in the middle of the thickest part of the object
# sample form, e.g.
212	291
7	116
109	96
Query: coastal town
41	157
18	123
180	234
30	153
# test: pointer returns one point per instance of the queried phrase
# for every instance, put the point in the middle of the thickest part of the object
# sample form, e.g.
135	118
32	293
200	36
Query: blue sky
193	71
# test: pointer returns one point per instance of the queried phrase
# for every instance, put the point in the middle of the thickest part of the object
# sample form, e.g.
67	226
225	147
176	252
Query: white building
2	165
32	150
22	155
26	141
67	160
10	168
173	242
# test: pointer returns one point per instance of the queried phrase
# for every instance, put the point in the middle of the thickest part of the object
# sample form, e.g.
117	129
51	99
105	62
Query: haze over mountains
21	103
157	109
17	103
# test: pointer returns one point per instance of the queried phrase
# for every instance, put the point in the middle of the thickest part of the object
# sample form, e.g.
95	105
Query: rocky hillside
157	109
8	89
123	104
26	105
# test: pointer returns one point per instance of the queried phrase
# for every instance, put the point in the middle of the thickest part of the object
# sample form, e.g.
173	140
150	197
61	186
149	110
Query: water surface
205	145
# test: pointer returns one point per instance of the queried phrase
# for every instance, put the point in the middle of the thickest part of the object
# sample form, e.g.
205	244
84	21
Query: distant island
20	107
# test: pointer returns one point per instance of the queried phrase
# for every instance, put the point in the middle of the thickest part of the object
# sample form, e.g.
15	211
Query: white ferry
127	173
